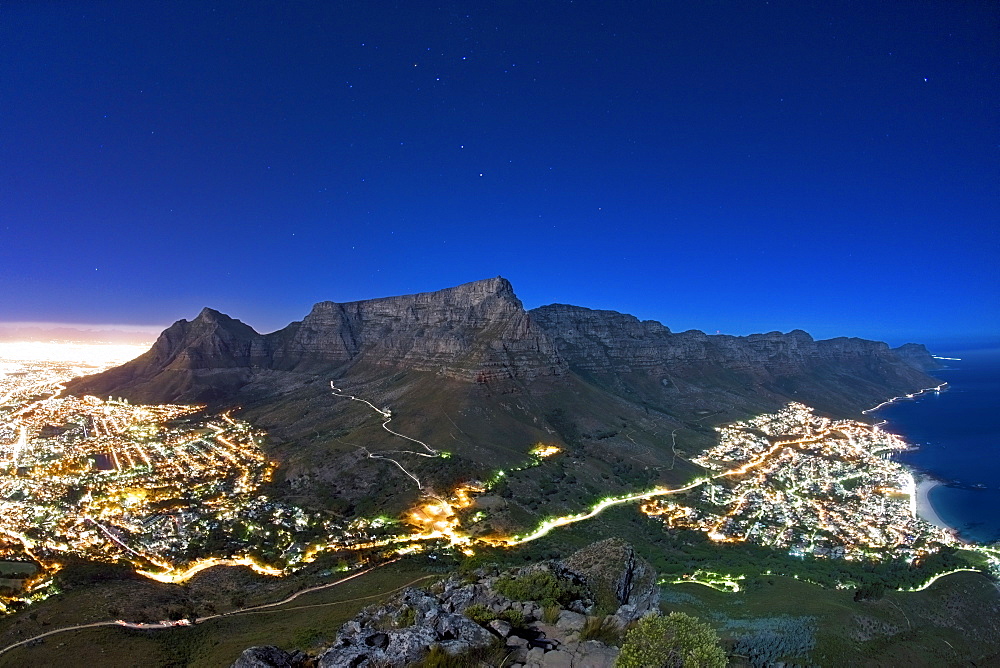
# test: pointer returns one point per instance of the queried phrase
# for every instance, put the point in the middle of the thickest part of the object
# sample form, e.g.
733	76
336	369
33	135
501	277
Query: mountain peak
209	318
474	293
210	315
485	288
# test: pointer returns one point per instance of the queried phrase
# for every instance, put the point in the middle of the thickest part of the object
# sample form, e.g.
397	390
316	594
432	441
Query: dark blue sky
734	166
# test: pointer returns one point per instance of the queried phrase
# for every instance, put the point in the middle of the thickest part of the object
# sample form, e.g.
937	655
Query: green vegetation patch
677	639
541	586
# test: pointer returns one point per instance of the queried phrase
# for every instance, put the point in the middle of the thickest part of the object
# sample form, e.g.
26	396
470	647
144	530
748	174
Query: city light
174	492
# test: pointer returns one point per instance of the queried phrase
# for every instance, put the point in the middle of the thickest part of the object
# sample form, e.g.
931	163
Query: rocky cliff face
480	333
841	374
477	332
470	332
610	342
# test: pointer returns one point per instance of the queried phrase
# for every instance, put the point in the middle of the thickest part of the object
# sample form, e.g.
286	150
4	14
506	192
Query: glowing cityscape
173	491
810	485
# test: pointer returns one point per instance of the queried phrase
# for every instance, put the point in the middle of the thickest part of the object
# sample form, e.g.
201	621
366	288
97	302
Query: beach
925	510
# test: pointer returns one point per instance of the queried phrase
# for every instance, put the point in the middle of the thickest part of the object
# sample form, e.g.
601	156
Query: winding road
387	415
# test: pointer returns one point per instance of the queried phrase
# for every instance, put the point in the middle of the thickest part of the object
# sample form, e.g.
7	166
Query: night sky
736	166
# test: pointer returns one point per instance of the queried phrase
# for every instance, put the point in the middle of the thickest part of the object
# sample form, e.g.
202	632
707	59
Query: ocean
957	434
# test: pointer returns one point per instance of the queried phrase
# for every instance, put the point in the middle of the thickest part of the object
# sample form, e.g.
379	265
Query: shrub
678	640
550	614
870	592
496	654
513	617
603	629
480	614
406	618
605	600
765	640
541	586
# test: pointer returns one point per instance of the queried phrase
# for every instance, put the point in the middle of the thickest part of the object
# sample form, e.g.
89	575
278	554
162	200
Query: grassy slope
955	620
950	623
621	446
306	623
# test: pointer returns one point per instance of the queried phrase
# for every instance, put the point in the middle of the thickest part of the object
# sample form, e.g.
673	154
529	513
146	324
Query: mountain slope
471	371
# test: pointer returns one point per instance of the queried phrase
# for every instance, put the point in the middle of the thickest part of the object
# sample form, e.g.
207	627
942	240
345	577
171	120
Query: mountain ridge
470	371
478	332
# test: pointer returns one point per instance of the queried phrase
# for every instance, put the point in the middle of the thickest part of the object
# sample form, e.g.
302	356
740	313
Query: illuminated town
108	481
174	491
809	485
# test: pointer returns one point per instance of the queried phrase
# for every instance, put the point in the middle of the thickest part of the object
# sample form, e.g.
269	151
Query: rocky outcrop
612	568
269	656
459	616
400	632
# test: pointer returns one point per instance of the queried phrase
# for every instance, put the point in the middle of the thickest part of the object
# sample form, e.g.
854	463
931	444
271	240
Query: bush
675	641
766	640
513	617
406	618
496	654
540	586
480	614
550	614
602	629
870	592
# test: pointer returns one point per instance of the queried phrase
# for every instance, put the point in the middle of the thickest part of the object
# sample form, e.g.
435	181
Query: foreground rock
611	567
460	617
400	632
269	656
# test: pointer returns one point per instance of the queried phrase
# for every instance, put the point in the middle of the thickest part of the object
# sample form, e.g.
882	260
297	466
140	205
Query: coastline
925	510
912	395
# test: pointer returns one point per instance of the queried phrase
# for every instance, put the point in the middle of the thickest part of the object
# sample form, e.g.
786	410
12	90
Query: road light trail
372	455
548	525
911	395
387	414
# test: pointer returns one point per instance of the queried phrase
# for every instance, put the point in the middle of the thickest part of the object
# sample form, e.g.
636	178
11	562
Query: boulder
501	627
615	573
451	626
570	621
404	647
593	654
557	659
267	656
535	657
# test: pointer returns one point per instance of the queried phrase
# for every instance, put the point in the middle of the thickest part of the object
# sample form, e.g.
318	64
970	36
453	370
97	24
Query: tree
675	641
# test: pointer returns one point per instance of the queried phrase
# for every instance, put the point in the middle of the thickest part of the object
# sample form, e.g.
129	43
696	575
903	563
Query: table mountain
470	370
